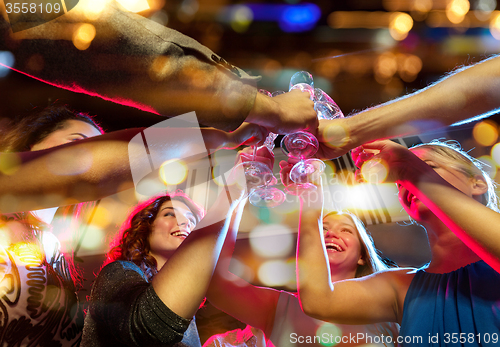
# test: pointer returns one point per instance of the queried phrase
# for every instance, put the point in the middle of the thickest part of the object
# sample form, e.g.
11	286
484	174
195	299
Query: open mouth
333	247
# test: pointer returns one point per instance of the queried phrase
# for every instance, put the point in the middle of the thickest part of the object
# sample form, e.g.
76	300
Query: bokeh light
332	331
83	36
400	25
276	273
241	18
495	154
374	171
134	5
495	26
9	163
456	10
93	239
6	60
485	133
271	240
489	165
173	171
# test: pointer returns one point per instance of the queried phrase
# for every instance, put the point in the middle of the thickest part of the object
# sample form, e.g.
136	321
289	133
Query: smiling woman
152	282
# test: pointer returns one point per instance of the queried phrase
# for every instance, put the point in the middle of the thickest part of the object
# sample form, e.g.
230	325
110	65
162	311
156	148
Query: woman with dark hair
38	302
157	274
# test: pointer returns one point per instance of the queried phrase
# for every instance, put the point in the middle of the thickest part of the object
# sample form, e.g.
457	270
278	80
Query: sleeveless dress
460	308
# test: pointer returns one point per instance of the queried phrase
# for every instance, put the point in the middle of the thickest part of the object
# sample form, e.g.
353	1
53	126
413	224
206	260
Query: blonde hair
450	154
371	256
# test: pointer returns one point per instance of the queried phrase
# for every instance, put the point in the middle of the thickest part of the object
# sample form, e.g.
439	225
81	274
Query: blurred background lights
241	270
93	239
485	133
329	334
9	163
495	26
276	273
374	171
6	60
83	36
456	10
92	9
241	18
400	25
173	171
299	18
489	165
271	240
495	154
134	5
101	217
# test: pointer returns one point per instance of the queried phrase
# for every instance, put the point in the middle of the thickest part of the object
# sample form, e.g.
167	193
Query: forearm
313	274
93	168
475	224
467	93
137	62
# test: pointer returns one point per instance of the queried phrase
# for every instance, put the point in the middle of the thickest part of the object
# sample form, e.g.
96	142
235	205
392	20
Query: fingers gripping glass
303	145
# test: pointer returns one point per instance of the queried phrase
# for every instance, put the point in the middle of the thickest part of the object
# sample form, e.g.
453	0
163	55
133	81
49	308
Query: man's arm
137	62
469	92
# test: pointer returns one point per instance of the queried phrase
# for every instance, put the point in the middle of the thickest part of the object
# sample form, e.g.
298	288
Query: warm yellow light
101	217
495	154
490	165
83	36
400	25
456	10
173	171
495	26
374	171
134	5
241	19
485	133
9	163
274	273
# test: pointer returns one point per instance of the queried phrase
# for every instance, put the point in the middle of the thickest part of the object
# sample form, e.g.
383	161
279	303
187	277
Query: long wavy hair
132	241
370	254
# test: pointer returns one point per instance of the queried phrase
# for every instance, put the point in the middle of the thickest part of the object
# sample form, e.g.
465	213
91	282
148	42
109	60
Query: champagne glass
303	145
267	195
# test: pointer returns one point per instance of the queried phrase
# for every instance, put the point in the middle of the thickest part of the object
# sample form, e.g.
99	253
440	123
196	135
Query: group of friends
168	256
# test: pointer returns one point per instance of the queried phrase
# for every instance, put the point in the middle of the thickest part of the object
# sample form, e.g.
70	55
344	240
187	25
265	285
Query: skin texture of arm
97	167
255	306
466	93
472	222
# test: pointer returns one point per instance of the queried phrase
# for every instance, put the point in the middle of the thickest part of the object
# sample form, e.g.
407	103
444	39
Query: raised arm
368	300
97	167
253	305
469	92
474	223
137	62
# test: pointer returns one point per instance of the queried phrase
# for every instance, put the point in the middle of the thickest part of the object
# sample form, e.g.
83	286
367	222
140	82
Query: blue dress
460	308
